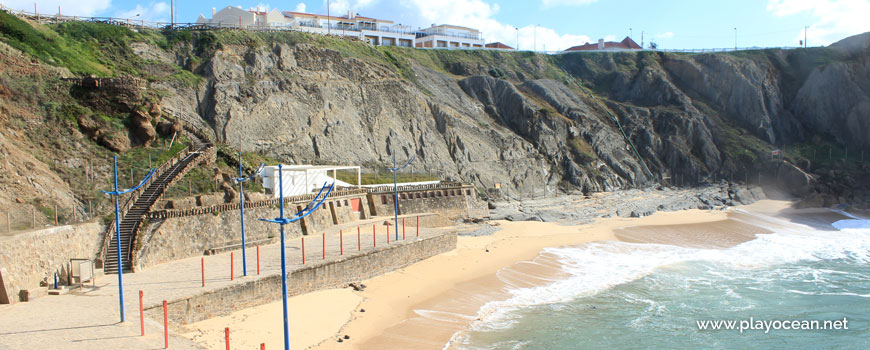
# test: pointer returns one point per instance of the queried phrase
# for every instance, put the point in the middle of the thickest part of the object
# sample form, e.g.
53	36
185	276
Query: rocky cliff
534	124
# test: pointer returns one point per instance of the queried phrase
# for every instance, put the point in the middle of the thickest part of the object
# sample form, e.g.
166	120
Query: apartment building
449	36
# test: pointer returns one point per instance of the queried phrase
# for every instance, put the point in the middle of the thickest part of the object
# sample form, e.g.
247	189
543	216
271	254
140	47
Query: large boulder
793	180
116	141
141	129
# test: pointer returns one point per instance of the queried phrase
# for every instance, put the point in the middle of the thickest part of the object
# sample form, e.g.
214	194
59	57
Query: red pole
374	237
303	250
258	259
341	241
227	336
324	246
262	346
232	266
141	314
358	243
403	229
418	226
165	327
203	271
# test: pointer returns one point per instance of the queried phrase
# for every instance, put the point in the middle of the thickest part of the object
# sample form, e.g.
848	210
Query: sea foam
598	266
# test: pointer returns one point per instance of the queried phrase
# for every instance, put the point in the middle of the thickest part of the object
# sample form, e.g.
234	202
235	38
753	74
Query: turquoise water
643	296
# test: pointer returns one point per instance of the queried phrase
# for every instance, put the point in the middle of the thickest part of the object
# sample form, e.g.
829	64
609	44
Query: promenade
88	318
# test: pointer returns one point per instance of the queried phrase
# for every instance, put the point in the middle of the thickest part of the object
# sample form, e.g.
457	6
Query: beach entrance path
87	318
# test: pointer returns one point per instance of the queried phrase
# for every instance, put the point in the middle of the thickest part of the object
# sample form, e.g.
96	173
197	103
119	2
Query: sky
551	25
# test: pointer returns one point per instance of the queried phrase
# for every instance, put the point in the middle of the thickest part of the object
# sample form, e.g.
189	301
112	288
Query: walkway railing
305	198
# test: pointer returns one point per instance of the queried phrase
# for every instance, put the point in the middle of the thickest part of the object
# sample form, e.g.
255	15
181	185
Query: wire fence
18	220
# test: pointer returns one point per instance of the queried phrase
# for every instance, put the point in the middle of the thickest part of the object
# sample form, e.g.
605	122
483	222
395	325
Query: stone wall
178	237
169	239
331	274
28	258
448	202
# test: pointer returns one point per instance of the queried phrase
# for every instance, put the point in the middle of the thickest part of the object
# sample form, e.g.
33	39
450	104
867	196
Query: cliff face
685	118
535	124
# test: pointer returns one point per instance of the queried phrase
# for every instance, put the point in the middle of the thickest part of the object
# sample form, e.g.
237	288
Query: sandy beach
423	305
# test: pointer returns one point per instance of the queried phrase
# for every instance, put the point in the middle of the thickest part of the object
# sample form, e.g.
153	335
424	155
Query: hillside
534	124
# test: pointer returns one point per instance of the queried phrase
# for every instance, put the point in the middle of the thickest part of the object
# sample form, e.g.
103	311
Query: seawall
28	258
331	274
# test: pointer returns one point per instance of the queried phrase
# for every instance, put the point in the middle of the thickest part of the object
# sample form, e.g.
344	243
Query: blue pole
242	216
395	197
118	236
283	260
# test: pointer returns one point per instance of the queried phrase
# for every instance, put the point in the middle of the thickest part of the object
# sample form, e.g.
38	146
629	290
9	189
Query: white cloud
74	8
300	7
154	11
837	19
551	3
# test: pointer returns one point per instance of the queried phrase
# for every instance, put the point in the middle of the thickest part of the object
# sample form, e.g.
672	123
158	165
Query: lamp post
281	220
128	19
395	170
117	193
241	180
518	39
535	41
735	38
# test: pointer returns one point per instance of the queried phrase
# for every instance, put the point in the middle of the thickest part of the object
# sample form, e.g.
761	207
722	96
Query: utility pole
535	39
171	14
805	36
328	20
641	40
518	39
735	38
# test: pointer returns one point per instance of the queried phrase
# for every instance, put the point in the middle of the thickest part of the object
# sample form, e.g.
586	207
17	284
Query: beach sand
313	317
448	290
423	305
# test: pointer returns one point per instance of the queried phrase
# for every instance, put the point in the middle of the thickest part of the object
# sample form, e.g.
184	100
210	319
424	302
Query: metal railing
299	199
410	188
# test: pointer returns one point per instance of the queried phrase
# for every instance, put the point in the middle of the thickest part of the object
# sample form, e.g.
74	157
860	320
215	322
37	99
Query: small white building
253	18
304	179
449	36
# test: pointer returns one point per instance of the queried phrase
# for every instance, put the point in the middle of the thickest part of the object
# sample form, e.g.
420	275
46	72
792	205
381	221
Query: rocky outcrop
658	118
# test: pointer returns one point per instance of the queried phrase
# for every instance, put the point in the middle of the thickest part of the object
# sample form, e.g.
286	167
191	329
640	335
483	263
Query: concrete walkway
89	318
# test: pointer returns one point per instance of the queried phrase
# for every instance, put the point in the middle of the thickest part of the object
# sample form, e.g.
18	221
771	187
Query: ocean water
644	296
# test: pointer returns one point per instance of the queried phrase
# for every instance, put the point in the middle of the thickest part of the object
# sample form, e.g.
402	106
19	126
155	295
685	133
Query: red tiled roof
498	45
625	44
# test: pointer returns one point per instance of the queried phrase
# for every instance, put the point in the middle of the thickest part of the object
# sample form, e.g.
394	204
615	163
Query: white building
304	179
253	18
449	36
375	31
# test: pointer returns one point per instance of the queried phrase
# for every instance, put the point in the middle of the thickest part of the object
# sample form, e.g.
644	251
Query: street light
735	39
117	193
535	47
395	170
518	39
241	180
281	220
128	19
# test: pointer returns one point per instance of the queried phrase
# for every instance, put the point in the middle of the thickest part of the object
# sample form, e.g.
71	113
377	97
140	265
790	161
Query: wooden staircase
142	201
